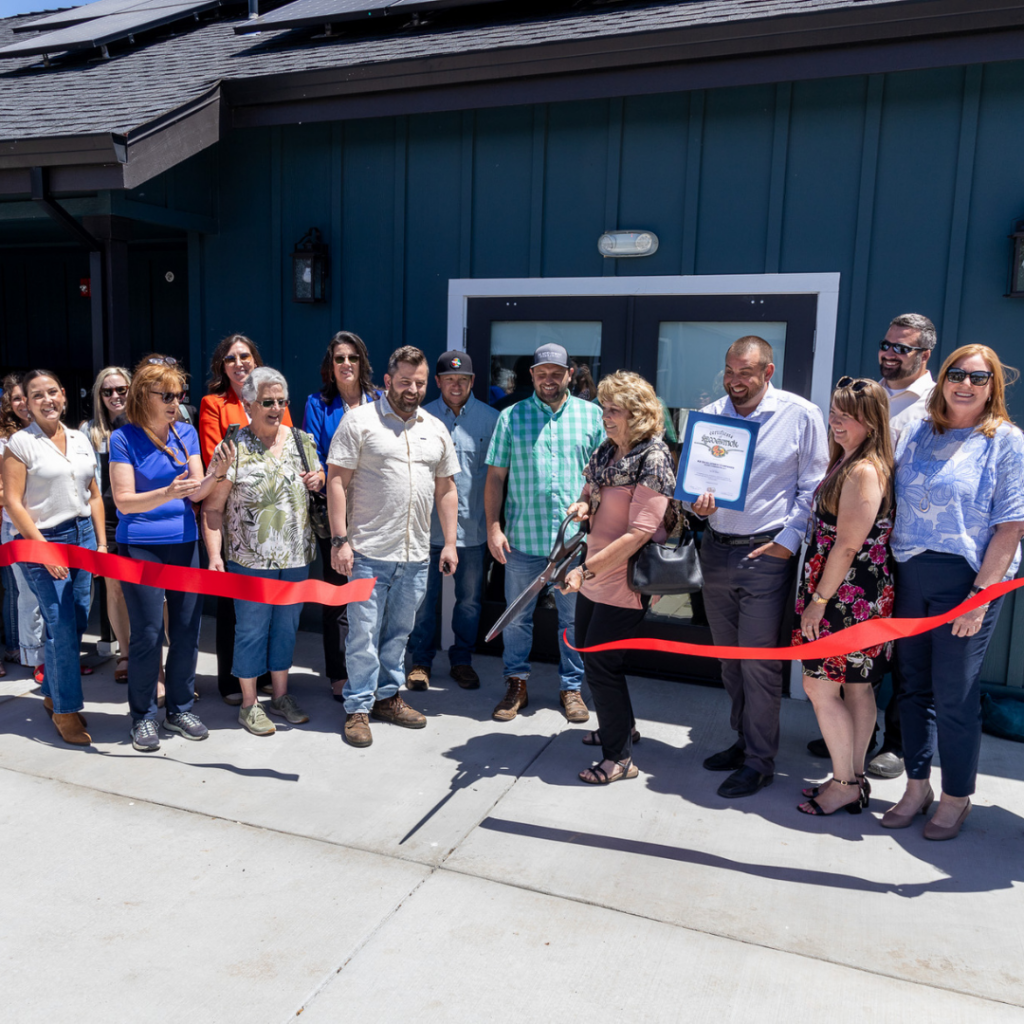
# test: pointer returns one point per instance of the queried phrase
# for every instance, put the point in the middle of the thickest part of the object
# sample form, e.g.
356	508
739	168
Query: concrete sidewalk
462	873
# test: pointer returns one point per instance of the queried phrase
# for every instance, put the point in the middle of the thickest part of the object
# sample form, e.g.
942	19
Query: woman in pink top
629	481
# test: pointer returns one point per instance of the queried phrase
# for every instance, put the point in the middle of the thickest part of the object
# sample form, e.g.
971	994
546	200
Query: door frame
824	285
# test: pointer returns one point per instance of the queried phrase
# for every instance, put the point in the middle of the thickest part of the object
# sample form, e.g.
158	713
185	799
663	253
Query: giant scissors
563	554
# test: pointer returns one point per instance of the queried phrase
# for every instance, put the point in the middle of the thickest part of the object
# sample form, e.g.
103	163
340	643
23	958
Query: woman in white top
50	492
108	400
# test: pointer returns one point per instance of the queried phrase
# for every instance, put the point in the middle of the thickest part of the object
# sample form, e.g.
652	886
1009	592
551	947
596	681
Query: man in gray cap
471	424
541	446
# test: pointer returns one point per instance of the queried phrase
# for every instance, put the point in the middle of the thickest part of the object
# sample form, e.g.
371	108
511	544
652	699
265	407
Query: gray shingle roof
142	82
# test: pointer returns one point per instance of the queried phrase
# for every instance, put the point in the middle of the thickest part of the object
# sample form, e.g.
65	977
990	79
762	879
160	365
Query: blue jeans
520	571
65	609
378	630
265	633
146	617
30	619
469	585
10	585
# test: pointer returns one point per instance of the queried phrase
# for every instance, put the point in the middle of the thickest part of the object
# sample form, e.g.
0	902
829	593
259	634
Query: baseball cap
454	362
551	354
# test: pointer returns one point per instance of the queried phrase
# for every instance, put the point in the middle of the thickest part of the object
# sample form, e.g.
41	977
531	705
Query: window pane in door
691	359
513	343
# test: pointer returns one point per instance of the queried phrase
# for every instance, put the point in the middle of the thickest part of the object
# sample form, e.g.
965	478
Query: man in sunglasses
903	359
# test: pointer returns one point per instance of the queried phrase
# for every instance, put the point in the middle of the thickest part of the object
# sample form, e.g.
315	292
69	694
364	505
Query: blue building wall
907	184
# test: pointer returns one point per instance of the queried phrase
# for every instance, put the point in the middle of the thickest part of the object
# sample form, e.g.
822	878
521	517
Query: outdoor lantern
1017	262
309	268
627	243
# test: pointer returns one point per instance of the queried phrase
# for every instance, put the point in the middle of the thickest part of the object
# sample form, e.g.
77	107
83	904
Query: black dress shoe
725	760
744	782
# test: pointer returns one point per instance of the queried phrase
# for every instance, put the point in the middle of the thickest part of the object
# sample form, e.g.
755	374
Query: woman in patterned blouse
262	502
959	523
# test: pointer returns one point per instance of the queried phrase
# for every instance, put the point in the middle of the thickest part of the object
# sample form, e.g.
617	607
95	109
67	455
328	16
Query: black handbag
666	569
318	517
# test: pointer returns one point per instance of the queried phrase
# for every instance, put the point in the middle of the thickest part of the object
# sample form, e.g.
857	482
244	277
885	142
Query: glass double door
678	342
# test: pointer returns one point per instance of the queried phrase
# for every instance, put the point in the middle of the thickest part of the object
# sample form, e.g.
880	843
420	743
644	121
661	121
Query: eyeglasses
854	384
979	378
107	392
169	396
162	360
901	350
346	359
270	403
228	360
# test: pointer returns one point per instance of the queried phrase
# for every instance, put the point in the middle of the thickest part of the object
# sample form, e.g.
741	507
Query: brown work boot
418	678
513	702
357	729
572	704
395	710
71	730
465	676
48	708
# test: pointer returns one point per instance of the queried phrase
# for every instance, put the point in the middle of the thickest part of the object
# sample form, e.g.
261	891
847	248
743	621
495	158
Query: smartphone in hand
232	433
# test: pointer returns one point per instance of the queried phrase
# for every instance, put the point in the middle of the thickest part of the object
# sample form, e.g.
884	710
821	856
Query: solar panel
76	15
327	12
101	31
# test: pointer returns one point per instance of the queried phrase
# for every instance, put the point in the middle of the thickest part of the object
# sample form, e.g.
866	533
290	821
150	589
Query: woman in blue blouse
156	474
348	381
959	523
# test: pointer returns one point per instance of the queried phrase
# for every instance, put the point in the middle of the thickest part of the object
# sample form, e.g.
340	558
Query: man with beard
903	359
747	556
541	445
389	463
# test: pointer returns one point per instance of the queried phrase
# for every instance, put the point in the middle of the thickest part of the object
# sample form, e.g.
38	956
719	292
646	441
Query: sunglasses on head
162	360
901	350
229	359
169	396
107	392
856	385
979	378
346	359
269	403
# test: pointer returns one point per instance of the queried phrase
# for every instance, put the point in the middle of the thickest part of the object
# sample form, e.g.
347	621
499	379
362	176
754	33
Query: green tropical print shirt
266	521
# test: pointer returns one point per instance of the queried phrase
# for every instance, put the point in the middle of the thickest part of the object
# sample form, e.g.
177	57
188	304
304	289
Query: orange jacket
216	414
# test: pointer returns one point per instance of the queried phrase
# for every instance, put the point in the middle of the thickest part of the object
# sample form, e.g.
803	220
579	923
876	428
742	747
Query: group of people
910	502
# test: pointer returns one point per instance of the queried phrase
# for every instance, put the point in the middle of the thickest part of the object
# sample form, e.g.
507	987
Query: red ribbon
191	581
859	637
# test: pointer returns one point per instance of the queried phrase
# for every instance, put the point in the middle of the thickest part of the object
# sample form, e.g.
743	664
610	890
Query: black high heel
852	808
865	788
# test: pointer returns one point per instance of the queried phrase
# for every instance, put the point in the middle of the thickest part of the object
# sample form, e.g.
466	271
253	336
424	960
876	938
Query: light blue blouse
953	489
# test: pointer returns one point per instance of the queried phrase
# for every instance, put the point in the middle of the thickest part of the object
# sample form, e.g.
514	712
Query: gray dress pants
745	602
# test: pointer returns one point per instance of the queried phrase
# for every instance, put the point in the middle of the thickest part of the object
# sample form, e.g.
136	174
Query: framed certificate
717	455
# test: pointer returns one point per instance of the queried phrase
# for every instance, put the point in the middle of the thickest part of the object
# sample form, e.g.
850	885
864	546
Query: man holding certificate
751	463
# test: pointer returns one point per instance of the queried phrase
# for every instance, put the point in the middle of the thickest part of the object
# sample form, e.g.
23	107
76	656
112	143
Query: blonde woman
848	578
109	393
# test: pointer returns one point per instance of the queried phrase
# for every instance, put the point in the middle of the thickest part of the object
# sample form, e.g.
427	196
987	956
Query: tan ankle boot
48	707
71	730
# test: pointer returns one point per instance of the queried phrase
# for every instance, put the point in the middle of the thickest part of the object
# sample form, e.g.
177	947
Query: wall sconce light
627	243
1017	262
309	268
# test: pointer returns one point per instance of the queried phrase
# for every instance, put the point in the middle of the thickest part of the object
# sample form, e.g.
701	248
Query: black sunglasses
856	385
901	350
107	392
346	359
979	378
269	403
169	396
238	359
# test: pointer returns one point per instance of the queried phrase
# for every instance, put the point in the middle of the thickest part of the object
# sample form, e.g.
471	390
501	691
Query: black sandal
865	788
602	778
593	738
851	808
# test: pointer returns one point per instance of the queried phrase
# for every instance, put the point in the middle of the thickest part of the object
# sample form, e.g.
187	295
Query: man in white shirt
748	557
389	463
903	359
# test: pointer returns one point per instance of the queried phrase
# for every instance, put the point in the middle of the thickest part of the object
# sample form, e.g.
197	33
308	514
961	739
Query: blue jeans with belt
941	696
64	605
146	617
265	633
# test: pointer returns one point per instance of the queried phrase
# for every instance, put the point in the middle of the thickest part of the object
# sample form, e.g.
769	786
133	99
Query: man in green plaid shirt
541	446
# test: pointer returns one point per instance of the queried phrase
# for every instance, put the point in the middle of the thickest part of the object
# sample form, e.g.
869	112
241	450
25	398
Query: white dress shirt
908	404
790	457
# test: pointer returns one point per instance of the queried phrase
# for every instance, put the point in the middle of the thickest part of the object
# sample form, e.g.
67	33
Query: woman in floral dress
262	502
847	578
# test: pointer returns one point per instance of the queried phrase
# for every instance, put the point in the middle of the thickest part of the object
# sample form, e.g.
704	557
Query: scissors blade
519	603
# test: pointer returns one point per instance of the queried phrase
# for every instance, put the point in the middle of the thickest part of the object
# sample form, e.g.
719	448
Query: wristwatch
339	542
587	574
818	599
